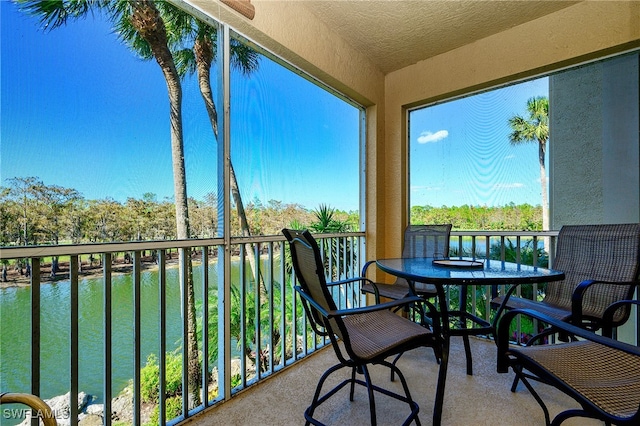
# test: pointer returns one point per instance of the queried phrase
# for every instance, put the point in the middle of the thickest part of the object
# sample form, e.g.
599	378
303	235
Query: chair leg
519	373
561	417
514	385
467	352
442	380
371	388
407	398
308	414
372	401
353	383
394	363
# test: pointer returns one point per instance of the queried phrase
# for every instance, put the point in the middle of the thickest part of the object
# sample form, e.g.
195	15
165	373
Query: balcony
483	398
112	326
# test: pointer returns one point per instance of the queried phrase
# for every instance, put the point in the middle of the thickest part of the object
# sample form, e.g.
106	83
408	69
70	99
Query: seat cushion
376	333
390	291
545	308
399	290
608	377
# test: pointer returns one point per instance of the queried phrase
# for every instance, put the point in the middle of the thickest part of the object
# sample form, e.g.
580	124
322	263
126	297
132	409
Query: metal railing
261	330
523	247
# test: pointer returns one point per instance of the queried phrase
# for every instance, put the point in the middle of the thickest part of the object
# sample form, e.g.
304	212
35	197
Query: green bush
173	408
150	377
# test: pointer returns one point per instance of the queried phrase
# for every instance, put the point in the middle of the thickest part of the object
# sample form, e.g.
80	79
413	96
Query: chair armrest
607	317
312	302
502	335
355	311
362	279
32	401
377	307
365	267
503	305
348	281
580	291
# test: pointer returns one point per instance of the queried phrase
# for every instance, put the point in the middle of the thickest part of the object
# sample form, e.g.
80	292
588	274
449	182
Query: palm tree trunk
146	19
543	183
203	51
545	196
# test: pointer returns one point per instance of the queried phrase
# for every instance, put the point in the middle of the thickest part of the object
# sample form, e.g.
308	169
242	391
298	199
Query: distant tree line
33	213
512	217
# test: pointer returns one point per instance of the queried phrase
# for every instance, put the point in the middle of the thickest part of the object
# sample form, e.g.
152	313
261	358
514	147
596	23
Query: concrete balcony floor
482	399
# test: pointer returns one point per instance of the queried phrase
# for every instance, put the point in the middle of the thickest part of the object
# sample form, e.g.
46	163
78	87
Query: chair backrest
309	270
596	252
426	241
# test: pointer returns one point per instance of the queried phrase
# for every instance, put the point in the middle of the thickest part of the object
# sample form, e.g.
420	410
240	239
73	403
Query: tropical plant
326	222
243	324
150	376
532	129
527	252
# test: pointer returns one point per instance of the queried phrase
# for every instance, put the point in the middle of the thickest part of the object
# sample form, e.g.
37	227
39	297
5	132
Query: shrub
150	377
173	408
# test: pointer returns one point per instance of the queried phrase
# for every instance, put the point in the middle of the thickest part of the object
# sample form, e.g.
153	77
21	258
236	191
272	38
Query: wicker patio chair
368	335
600	373
419	241
601	265
39	407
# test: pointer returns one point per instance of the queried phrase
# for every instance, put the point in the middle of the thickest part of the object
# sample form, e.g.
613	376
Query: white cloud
508	185
426	137
417	188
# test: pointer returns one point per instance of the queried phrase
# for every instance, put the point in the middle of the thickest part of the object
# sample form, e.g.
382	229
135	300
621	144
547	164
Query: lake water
15	331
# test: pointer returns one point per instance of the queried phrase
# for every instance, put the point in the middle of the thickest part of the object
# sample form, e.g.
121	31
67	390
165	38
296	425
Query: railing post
205	326
162	358
73	395
184	309
137	333
35	330
243	316
106	279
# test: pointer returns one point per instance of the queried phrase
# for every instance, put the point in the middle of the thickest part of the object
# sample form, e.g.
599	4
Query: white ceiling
396	33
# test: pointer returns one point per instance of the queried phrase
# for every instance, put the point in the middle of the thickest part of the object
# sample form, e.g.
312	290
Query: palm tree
199	60
535	128
140	25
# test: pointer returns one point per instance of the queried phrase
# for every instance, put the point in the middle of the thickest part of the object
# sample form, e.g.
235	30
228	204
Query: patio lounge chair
600	373
368	335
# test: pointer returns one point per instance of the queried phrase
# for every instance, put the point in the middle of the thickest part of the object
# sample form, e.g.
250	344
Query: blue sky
81	111
460	151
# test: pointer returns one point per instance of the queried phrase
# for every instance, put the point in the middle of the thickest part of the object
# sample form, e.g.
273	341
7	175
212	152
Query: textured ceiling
396	33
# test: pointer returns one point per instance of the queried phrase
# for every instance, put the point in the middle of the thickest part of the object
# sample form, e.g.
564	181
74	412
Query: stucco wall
583	31
594	145
570	36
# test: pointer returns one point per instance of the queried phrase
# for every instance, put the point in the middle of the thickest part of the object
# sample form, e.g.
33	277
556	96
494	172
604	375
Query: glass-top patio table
464	272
